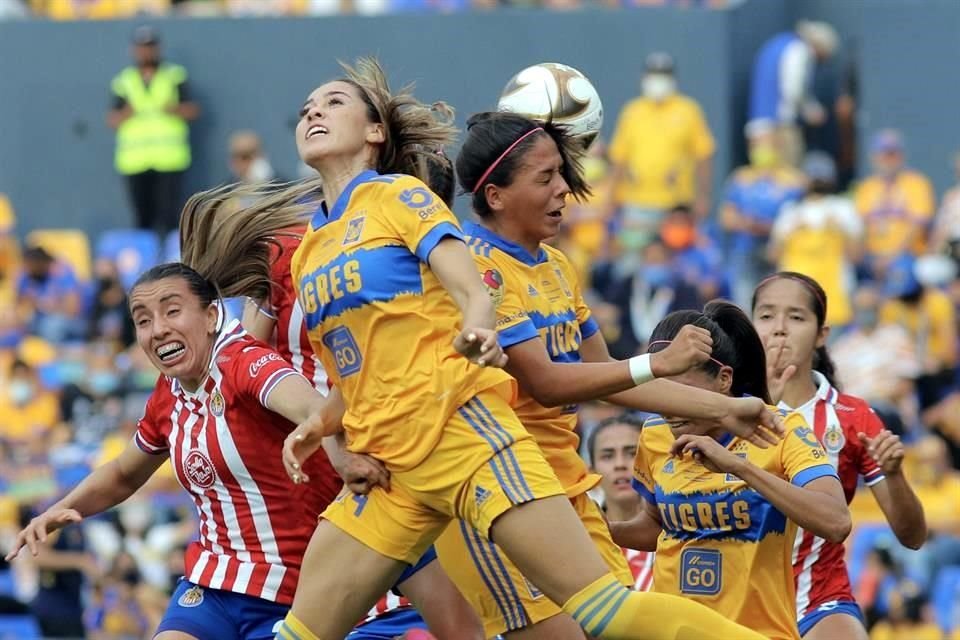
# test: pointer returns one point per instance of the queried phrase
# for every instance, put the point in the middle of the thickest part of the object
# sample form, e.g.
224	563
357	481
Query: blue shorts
810	620
213	614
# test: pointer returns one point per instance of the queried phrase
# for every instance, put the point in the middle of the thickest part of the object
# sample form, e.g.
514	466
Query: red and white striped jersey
819	568
386	604
291	339
641	565
225	447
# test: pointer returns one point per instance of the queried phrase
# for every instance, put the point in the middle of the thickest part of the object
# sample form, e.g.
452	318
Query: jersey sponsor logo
217	403
192	597
843	407
700	572
421	198
261	362
354	230
493	281
346	353
807	436
223	359
199	469
833	439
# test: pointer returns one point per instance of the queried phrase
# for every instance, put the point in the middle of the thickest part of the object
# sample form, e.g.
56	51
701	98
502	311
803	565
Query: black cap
37	252
145	35
658	62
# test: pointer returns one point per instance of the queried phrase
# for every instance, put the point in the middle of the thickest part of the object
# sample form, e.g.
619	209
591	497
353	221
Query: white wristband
640	369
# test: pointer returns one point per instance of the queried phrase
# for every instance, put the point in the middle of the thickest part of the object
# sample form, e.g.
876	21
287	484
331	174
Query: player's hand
302	443
480	347
692	346
361	473
886	449
779	370
707	452
750	419
35	533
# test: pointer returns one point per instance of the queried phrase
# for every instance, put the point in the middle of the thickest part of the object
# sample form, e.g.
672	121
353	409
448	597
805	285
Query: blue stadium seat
132	250
946	598
19	628
171	246
864	539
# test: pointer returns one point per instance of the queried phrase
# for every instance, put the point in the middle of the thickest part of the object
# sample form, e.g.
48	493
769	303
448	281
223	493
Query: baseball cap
901	277
886	140
145	35
658	62
819	166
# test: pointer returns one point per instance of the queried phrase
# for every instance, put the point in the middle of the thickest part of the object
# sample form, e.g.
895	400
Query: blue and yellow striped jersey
380	319
539	297
723	543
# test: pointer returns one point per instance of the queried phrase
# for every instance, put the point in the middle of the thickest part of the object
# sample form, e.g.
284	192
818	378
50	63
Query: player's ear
725	380
375	133
495	197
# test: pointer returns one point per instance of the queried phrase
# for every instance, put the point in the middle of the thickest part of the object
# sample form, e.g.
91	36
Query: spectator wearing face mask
820	236
248	164
895	202
48	297
754	195
662	155
782	81
929	318
696	258
27	410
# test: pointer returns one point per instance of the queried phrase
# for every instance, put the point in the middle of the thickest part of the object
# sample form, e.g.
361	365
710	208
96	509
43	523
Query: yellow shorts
495	588
484	463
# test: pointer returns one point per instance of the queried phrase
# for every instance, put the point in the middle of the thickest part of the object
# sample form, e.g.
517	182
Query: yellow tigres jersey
380	319
539	297
723	543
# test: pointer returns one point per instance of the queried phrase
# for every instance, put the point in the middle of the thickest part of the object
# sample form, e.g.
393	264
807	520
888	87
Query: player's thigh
557	627
599	532
174	635
837	625
447	613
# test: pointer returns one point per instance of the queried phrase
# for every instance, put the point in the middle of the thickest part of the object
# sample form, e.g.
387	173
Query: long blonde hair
228	234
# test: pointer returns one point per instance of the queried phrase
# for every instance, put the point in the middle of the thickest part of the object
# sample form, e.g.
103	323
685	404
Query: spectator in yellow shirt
896	204
662	153
27	411
929	317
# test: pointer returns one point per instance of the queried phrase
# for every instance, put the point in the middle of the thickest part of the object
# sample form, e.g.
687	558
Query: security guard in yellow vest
150	111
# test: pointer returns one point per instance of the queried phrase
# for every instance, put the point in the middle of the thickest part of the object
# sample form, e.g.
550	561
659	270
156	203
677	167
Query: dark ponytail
817	303
735	344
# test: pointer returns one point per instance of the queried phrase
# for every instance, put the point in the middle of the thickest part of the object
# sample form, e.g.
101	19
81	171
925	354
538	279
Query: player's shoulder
161	398
555	255
397	192
656	433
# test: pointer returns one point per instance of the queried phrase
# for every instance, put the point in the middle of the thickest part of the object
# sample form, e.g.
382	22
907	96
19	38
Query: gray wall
56	152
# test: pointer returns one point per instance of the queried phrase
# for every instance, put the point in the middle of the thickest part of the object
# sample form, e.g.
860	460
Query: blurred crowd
653	238
117	9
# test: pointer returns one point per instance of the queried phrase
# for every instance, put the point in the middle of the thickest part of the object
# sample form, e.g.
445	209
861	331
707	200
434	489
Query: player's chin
682	428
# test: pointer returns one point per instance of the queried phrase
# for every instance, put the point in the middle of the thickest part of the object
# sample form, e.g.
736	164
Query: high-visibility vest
151	138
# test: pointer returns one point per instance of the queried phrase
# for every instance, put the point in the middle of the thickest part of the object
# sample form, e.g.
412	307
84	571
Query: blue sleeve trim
516	334
809	475
433	238
645	493
429	556
588	328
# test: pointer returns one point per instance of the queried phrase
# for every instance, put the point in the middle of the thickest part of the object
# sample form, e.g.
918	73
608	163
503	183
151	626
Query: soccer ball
557	93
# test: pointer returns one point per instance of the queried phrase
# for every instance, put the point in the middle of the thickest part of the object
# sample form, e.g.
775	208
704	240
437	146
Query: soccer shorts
810	620
213	613
484	464
495	588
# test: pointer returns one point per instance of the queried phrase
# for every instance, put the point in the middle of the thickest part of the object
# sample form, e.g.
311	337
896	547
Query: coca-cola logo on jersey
200	470
262	362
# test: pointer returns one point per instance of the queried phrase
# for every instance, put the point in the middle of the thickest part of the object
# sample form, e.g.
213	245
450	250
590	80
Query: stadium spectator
819	236
662	154
584	234
27	410
151	107
48	297
99	9
248	164
946	226
695	256
929	317
109	319
780	87
754	195
884	377
9	252
896	204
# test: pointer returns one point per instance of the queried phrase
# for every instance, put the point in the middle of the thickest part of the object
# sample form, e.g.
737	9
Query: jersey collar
322	216
514	250
230	332
825	393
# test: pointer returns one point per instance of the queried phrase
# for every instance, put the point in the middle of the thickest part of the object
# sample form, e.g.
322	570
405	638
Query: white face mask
260	170
20	391
658	86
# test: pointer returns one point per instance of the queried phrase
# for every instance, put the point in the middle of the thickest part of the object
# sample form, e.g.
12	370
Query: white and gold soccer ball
557	93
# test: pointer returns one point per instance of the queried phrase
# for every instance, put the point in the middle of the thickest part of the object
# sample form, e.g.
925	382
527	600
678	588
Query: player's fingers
31	541
864	439
15	550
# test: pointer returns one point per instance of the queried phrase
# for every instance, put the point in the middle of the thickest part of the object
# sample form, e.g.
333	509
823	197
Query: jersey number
346	353
701	572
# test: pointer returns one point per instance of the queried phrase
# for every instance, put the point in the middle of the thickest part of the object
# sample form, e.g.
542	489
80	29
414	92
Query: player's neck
799	389
622	511
508	231
336	176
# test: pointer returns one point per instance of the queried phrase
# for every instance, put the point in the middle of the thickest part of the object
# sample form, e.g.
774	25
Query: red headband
712	359
486	174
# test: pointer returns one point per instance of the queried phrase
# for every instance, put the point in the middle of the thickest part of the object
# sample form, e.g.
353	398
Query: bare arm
704	186
640	533
257	323
295	399
186	110
902	509
116	117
